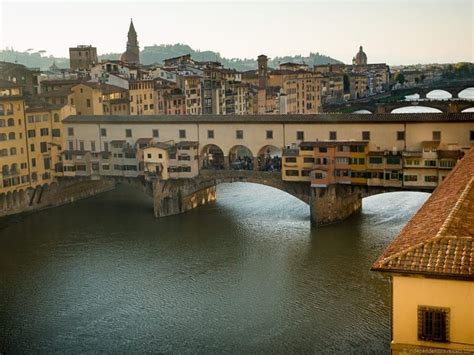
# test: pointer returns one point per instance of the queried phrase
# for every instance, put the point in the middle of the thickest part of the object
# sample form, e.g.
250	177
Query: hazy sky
396	32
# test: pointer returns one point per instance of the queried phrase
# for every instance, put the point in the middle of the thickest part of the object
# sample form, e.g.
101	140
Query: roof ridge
441	232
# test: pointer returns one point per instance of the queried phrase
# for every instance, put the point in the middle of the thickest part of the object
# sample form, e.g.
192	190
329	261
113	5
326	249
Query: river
244	275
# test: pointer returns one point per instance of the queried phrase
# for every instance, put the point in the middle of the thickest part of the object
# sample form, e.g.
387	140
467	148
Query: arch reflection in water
467	93
439	95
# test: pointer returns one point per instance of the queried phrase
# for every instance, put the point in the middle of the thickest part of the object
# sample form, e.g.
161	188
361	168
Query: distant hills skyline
157	53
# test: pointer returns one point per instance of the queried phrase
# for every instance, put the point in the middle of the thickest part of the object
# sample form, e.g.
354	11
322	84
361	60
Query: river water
244	275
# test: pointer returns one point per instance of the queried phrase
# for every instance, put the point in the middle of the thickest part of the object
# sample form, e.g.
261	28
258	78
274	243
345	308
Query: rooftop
439	240
318	118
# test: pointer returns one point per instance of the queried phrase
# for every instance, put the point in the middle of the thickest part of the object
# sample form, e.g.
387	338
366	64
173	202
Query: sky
391	31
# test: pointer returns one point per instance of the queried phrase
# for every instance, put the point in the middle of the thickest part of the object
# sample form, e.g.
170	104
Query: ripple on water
246	274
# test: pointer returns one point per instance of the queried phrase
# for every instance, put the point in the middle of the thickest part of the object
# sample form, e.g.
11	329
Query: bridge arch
467	93
469	109
269	158
212	157
439	94
241	158
416	109
363	111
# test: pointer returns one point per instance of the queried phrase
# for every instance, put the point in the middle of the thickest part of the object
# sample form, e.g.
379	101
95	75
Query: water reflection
246	274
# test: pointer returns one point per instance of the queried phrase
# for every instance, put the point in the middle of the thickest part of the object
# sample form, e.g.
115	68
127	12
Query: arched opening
470	109
241	158
466	94
11	122
212	157
13	151
3	137
412	97
269	158
439	95
2	109
2	123
5	170
11	136
3	152
14	169
364	112
416	109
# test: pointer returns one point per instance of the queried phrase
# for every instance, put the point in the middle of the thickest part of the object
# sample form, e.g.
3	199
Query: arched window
3	152
56	117
12	151
3	137
14	168
2	110
11	136
5	170
11	122
2	123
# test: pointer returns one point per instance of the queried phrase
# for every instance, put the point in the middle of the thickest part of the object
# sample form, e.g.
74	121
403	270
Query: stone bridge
327	205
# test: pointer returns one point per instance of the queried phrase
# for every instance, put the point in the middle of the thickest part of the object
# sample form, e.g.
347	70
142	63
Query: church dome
360	58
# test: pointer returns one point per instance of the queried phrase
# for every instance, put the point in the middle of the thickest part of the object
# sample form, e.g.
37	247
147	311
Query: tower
262	71
132	54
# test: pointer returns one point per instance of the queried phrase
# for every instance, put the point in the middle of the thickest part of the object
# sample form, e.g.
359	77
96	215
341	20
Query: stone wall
334	203
58	193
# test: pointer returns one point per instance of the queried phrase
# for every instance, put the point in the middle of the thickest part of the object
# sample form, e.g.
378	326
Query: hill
157	53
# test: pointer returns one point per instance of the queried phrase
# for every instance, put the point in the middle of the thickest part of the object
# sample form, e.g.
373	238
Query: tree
400	78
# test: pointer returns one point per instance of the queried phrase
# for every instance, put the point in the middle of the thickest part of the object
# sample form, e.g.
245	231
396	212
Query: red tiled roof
439	239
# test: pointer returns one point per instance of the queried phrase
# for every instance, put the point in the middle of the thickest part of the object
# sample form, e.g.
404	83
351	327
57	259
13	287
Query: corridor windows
128	133
103	132
292	173
366	135
156	133
400	135
210	134
182	133
239	134
333	135
269	134
300	135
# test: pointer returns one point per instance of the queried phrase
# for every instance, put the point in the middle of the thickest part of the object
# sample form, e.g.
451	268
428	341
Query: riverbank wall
56	194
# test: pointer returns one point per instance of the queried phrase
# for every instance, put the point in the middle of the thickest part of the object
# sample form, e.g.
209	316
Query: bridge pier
172	197
334	203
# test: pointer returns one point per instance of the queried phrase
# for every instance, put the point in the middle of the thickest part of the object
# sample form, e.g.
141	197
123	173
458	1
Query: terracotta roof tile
439	239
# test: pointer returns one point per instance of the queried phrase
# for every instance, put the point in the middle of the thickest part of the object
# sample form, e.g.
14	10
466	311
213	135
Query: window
292	173
182	133
393	160
88	103
471	135
319	175
290	160
103	132
43	147
128	133
31	133
436	135
160	156
375	160
305	172
433	324
430	163
269	134
300	135
47	163
323	149
81	145
70	145
410	177
366	135
357	148
333	135
430	178
33	162
210	134
44	131
56	132
308	160
93	146
148	156
70	131
239	134
156	133
447	163
400	135
56	117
